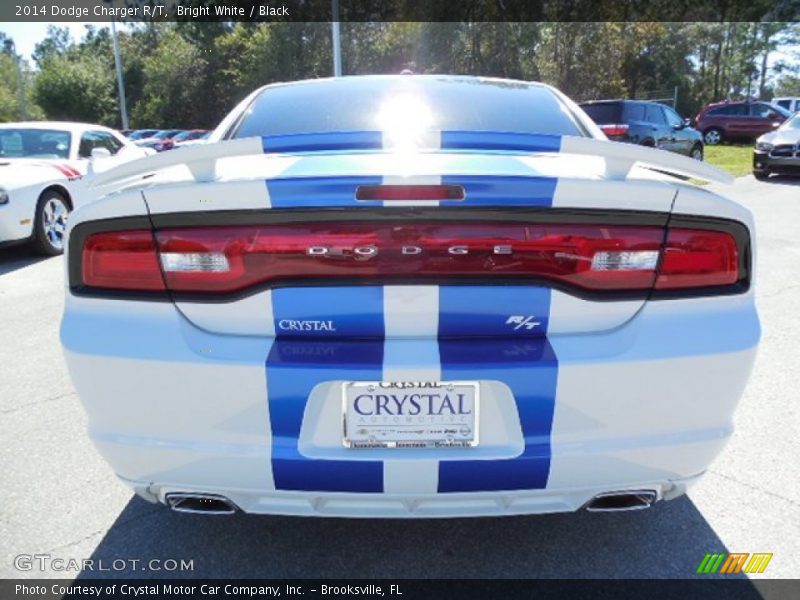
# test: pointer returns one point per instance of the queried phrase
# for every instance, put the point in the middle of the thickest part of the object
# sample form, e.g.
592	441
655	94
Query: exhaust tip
200	504
624	500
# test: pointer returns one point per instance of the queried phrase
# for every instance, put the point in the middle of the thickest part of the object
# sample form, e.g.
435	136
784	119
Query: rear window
730	110
634	112
604	114
655	114
780	110
351	104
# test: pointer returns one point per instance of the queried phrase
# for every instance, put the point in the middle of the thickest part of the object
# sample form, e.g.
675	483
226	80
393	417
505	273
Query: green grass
737	160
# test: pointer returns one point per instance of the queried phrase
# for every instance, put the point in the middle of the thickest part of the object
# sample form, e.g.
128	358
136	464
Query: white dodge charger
409	296
41	166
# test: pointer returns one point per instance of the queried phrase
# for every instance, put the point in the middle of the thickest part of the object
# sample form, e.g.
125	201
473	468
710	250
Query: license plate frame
454	430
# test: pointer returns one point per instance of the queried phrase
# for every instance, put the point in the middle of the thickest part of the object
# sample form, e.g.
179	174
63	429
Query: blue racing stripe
500	141
502	190
493	141
480	190
296	365
329	312
320	142
493	311
317	191
527	365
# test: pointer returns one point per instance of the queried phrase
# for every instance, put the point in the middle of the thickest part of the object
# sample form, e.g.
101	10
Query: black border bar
401	10
728	587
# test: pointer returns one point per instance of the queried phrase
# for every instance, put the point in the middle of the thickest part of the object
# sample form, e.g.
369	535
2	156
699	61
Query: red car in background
166	139
185	136
721	121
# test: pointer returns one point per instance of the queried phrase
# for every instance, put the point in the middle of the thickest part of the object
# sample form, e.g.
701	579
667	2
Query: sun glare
404	120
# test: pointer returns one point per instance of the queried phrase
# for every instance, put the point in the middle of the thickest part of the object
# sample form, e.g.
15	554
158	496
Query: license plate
410	414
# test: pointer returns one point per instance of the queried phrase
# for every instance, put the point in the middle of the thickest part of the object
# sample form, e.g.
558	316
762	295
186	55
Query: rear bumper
173	408
407	506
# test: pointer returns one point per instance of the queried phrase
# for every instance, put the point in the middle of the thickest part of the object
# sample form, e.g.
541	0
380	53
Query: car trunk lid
505	234
328	244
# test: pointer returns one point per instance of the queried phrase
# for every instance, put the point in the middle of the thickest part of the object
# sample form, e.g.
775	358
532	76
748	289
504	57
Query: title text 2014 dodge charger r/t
409	296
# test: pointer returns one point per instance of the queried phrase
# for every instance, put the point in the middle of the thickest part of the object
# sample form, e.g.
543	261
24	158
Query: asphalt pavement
58	497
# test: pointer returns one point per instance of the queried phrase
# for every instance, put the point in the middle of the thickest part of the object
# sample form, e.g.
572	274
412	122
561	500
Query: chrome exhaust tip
624	500
200	504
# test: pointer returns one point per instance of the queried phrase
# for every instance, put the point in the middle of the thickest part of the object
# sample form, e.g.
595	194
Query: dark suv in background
721	121
645	123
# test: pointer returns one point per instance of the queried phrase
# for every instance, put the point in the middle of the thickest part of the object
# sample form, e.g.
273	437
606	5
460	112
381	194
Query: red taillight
615	129
229	259
122	260
698	258
593	258
410	192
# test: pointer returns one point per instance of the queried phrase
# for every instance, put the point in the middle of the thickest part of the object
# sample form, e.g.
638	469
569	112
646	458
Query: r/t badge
529	322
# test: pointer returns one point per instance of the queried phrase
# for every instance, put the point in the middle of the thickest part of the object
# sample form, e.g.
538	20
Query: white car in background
41	167
790	103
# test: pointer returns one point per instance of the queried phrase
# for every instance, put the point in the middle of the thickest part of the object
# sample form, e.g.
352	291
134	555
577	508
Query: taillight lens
698	258
229	259
615	129
122	260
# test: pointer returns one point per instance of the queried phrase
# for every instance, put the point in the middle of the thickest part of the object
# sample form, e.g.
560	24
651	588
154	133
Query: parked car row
166	139
776	131
657	125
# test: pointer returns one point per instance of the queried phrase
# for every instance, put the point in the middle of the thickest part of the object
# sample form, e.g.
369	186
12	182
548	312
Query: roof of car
626	100
454	78
356	79
731	102
70	125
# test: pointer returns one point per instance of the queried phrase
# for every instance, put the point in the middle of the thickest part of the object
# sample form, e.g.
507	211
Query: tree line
190	74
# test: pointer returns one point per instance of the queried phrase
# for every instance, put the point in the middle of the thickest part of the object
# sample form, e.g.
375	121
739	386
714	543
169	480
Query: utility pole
23	105
337	44
123	108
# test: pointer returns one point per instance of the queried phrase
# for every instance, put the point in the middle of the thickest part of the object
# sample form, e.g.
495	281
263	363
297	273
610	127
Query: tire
50	223
761	175
697	152
713	136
